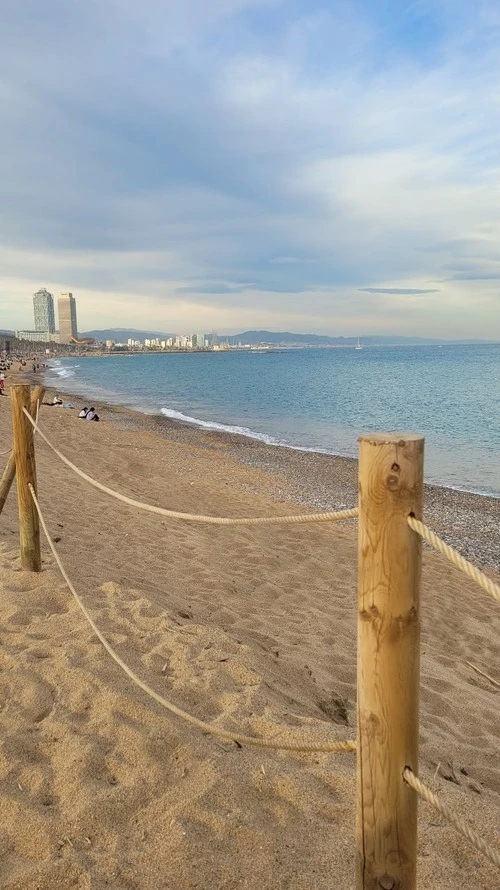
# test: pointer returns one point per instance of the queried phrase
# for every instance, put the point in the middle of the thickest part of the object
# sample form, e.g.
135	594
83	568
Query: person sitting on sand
56	400
83	413
92	415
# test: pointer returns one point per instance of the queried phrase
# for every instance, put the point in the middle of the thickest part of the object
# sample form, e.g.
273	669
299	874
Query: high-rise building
68	328
43	305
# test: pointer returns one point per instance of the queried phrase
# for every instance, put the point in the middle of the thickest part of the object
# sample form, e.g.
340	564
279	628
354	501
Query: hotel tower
68	328
43	306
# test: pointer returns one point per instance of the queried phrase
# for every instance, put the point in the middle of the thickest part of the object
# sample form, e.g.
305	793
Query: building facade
43	307
68	327
198	341
36	336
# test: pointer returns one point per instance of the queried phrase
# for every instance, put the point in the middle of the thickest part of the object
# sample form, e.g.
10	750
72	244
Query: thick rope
455	557
193	517
475	839
189	718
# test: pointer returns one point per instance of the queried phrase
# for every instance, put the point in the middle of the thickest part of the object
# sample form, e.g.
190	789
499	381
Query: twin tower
43	304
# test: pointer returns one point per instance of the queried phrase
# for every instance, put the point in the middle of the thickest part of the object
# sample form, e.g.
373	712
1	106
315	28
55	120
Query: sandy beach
248	627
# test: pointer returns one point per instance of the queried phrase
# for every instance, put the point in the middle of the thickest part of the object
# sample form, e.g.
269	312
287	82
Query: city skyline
44	328
43	310
247	164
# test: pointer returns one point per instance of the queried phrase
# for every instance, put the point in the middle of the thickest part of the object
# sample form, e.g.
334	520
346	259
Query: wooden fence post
390	488
24	451
10	470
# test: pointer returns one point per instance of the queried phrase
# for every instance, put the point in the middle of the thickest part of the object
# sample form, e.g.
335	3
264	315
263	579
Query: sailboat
358	345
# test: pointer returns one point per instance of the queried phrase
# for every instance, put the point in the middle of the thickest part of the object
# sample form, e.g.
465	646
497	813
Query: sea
319	399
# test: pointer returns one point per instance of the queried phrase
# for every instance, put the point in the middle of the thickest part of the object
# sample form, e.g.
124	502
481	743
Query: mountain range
121	335
274	338
279	338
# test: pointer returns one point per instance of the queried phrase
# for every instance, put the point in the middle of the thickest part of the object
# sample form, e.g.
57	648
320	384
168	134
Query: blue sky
310	166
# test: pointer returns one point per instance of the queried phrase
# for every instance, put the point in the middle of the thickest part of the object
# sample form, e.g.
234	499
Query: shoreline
440	471
109	401
468	521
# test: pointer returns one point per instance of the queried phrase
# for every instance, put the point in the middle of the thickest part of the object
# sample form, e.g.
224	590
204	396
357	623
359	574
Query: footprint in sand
32	697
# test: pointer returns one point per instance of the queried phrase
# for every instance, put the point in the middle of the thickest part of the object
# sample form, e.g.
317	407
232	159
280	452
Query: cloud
211	289
243	160
291	261
397	290
475	276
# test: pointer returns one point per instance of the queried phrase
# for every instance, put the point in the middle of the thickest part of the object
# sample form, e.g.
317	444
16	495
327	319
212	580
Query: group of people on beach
5	365
7	362
85	413
88	414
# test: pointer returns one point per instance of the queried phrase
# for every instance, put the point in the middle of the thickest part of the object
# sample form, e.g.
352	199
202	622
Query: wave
63	371
244	431
221	427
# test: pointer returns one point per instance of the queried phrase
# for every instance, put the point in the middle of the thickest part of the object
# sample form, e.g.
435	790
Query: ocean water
320	399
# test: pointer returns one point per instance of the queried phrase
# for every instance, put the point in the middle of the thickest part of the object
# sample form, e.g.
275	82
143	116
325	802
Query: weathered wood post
9	473
24	452
390	488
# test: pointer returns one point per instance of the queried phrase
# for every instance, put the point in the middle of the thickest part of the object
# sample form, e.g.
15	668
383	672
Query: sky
303	165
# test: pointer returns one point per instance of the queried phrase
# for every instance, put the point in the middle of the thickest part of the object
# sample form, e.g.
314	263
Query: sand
252	628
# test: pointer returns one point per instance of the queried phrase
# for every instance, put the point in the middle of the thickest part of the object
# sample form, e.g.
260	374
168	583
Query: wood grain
24	453
390	488
9	474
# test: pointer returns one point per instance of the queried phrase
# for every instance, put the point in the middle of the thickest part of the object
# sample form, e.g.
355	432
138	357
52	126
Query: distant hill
278	338
285	338
123	334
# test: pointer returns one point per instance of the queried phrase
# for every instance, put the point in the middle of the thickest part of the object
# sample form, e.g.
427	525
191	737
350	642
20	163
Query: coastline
466	520
461	448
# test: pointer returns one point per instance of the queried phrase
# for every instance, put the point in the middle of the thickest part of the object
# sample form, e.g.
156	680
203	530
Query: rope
455	557
189	718
479	671
5	452
462	827
193	517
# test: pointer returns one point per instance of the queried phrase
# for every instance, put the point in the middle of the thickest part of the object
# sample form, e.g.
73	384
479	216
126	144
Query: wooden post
9	473
390	488
24	451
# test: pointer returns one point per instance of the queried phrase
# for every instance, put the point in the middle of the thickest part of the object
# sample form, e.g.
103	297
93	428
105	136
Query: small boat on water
358	345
